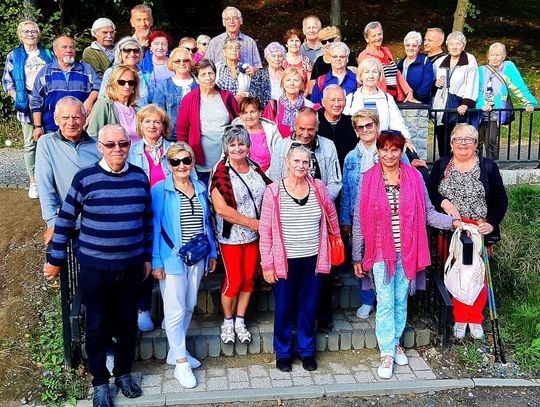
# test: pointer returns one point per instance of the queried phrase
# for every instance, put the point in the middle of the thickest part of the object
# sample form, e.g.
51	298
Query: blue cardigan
138	157
420	77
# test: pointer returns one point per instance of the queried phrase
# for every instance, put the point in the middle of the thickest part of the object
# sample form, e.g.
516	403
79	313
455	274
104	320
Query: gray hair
202	37
413	35
238	13
499	46
304	110
458	36
110	127
101	23
21	25
274	47
371	26
229	40
339	46
471	130
141	8
330	87
438	30
235	133
69	100
120	45
55	41
298	147
311	17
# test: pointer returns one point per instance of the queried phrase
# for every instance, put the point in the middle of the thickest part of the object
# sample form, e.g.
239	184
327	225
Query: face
178	164
305	128
105	36
496	57
463	144
298	163
338	59
70	120
293	44
292	85
334	101
114	154
141	23
370	76
203	45
181	63
375	37
390	156
190	46
29	35
366	130
232	51
411	48
311	29
159	47
232	22
131	54
327	42
206	77
250	116
127	89
237	150
152	127
455	47
65	50
275	59
432	41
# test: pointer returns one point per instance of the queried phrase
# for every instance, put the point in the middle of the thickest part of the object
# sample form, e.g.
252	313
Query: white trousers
179	292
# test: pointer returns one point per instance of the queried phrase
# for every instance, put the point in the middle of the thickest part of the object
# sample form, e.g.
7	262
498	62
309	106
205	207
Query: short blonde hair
111	90
175	53
146	111
178	147
457	36
370	114
469	129
329	32
497	45
367	63
292	71
21	25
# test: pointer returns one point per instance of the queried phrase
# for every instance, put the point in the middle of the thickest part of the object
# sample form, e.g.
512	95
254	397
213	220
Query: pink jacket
188	124
272	247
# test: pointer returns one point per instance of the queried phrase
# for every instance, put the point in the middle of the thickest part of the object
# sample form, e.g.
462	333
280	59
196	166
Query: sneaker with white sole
227	333
144	321
386	368
476	331
184	375
459	329
364	311
400	358
193	363
244	336
33	192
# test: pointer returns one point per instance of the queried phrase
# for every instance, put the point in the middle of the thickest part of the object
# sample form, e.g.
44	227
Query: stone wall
416	120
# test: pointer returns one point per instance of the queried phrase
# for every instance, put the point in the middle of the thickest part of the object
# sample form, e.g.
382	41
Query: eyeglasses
338	56
122	82
204	44
231	19
175	162
191	50
110	145
464	140
364	127
329	40
185	61
30	32
131	50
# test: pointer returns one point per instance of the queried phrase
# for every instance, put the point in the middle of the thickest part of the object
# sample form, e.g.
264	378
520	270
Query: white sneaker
242	332
400	358
144	321
386	368
459	329
476	331
227	333
193	363
33	192
184	375
109	362
364	311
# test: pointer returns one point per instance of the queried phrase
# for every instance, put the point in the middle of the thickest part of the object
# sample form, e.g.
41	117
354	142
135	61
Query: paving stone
152	380
360	324
152	390
333	341
190	344
213	302
345	339
424	374
370	338
262	302
160	348
237	375
279	375
215	372
418	364
341	324
402	377
227	348
282	383
360	368
402	369
209	330
241	348
172	386
271	303
423	337
260	382
408	337
412	353
146	348
257	371
214	345
323	378
344	378
344	297
239	385
354	299
303	381
338	368
358	339
299	371
320	342
267	342
200	308
216	383
254	348
201	347
266	328
137	377
378	379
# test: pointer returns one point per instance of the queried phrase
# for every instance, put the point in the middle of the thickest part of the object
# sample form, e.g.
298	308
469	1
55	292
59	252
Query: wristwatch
38	126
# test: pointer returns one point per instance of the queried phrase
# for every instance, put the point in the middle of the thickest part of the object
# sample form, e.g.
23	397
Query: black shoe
129	388
309	363
102	397
283	364
324	327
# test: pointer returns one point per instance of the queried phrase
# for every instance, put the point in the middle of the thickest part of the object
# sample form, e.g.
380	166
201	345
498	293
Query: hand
158	274
270	276
486	108
450	209
251	70
50	272
410	146
462	109
147	269
440	82
254	225
485	228
359	270
212	263
418	163
457	224
529	108
410	98
37	133
345	230
48	235
88	104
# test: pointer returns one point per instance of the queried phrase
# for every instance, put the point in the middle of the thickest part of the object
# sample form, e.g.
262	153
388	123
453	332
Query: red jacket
188	123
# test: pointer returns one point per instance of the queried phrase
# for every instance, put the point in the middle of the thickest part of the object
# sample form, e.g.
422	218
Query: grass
10	129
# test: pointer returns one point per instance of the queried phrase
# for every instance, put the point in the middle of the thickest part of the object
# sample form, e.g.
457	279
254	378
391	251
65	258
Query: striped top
390	73
392	192
191	216
300	224
370	101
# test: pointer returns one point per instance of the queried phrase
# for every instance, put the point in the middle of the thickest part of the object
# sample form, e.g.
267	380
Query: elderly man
100	54
63	77
249	54
115	252
59	156
324	160
312	47
433	41
141	20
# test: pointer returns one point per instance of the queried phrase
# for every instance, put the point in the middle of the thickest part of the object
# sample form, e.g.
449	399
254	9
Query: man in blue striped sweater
113	200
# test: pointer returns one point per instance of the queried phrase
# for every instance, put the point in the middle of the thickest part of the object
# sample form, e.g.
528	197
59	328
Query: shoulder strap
320	83
249	191
500	77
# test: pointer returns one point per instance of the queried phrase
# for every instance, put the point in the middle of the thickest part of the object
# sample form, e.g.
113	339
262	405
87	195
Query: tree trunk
335	13
460	14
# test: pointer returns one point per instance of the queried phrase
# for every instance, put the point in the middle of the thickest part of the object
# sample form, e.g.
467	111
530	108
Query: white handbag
465	281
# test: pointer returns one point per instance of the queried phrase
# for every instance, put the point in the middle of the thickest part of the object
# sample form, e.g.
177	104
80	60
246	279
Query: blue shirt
348	84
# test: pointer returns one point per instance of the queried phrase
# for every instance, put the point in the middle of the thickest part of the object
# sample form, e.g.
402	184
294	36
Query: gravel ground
12	171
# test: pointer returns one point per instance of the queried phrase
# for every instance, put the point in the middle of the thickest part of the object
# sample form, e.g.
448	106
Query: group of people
159	160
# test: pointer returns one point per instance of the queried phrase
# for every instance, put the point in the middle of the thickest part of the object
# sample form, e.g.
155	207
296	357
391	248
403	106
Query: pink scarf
376	222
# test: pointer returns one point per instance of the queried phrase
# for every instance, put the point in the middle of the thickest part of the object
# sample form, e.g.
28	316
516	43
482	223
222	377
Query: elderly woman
169	93
100	54
469	188
230	75
22	66
457	81
498	79
237	189
181	212
203	115
339	74
416	68
202	45
266	82
293	39
155	65
263	133
296	218
391	80
284	110
118	106
389	238
322	65
127	52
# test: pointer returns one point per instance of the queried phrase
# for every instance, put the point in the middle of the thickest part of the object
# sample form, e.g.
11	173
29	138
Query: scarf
369	156
376	222
155	150
290	109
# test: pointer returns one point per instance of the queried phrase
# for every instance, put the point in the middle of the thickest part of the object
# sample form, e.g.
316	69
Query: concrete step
203	338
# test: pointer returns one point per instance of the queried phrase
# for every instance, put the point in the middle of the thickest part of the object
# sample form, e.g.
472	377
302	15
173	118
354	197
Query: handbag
193	251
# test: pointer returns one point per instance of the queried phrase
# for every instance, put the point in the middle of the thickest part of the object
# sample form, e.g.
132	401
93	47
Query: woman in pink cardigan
296	217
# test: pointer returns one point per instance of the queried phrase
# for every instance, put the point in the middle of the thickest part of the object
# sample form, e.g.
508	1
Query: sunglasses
110	145
367	126
328	41
185	61
122	82
204	44
131	50
175	162
192	50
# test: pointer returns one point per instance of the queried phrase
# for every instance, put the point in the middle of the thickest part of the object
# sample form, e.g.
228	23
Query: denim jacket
138	158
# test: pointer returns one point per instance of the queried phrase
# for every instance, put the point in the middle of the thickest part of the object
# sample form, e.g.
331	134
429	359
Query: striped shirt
191	216
392	192
390	73
300	224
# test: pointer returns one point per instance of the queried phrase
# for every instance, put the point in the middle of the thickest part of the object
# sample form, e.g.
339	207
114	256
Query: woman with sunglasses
202	45
118	106
169	93
127	52
181	211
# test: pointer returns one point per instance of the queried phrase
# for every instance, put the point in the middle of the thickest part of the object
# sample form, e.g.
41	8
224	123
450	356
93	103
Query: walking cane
498	349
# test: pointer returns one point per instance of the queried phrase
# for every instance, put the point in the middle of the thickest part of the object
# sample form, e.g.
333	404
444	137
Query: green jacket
103	113
96	59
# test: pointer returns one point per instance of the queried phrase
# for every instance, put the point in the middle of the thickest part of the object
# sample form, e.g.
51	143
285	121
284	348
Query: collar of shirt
103	164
